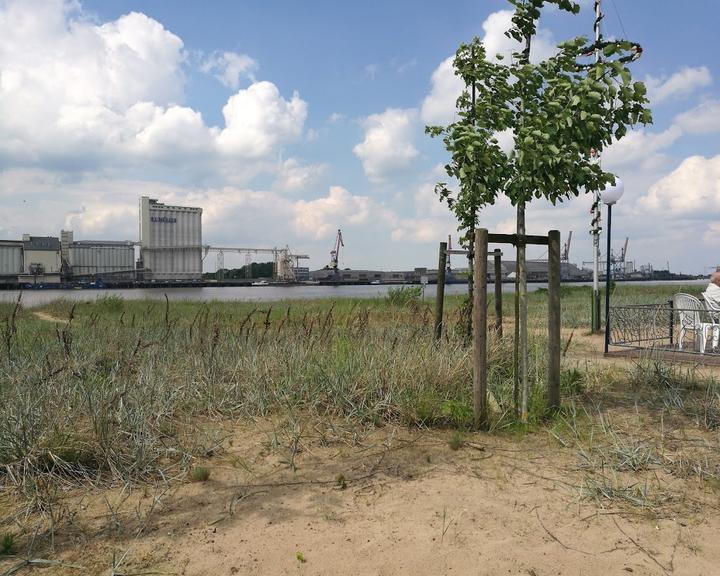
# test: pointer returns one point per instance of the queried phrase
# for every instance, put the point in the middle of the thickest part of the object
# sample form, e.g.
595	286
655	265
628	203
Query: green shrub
110	303
199	474
7	544
458	414
404	295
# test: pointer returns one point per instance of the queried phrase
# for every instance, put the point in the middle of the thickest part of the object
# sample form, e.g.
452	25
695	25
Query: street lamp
610	195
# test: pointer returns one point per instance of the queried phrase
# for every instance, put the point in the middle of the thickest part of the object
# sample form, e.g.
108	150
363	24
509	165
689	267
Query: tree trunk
522	320
522	306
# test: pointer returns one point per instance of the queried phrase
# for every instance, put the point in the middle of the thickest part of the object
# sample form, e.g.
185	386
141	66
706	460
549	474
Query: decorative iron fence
647	326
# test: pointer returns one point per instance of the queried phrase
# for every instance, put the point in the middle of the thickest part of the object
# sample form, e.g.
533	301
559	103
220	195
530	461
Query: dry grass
122	394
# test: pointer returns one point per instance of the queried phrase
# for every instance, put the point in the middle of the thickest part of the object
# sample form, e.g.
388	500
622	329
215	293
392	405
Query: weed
612	489
199	474
404	295
458	414
7	544
300	557
341	482
572	382
110	303
456	441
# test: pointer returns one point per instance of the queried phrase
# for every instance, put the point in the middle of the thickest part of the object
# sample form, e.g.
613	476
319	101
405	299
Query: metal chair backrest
688	309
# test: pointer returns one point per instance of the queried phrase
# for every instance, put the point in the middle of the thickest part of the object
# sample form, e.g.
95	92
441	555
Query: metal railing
653	326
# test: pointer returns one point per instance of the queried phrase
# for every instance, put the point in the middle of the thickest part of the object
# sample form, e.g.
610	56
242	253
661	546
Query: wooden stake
553	397
440	293
480	328
498	292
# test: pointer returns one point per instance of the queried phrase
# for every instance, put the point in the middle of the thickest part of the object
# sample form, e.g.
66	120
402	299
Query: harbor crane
619	267
335	252
619	264
565	254
285	261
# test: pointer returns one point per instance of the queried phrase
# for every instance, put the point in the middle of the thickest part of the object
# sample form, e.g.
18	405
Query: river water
32	298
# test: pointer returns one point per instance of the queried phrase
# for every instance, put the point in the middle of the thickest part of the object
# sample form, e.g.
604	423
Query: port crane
285	261
618	261
335	252
619	265
565	254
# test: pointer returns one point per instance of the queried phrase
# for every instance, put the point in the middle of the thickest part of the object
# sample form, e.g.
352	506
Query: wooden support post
471	296
516	355
480	328
498	292
553	392
440	292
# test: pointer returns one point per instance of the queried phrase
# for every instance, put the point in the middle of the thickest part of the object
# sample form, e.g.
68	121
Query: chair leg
681	337
707	331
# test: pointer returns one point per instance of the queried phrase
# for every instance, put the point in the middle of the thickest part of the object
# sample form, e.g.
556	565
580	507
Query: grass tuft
456	441
7	544
199	474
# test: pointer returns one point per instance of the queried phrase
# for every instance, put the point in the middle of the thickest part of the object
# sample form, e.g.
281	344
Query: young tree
558	111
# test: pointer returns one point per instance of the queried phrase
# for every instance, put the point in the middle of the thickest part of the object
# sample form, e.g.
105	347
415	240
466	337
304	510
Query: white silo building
170	241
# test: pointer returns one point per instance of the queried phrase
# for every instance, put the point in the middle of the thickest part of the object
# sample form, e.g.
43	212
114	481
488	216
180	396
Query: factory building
170	241
42	263
93	259
11	260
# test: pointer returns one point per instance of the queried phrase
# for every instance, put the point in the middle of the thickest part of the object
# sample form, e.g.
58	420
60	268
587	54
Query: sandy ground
388	501
305	497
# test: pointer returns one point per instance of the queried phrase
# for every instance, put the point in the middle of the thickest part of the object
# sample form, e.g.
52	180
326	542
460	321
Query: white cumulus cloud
75	94
258	118
229	67
702	119
320	218
691	190
684	82
294	176
388	144
639	147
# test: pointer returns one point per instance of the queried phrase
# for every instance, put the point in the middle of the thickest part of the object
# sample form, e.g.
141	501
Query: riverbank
202	437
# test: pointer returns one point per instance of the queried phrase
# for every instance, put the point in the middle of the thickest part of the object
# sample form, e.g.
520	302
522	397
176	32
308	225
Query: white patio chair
714	313
690	312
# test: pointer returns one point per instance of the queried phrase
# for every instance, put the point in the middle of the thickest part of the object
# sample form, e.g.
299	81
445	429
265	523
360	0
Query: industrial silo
170	241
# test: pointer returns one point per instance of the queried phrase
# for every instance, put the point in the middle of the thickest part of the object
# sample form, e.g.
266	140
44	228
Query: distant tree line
257	270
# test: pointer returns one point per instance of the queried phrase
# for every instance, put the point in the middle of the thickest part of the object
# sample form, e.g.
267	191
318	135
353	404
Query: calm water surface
32	298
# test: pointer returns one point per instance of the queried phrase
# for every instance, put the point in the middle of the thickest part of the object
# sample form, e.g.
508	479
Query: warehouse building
170	241
42	263
97	259
11	260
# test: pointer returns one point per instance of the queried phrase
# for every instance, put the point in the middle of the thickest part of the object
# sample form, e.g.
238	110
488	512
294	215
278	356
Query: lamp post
610	196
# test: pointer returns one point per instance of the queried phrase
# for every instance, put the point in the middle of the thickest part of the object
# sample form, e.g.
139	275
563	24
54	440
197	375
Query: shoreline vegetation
135	395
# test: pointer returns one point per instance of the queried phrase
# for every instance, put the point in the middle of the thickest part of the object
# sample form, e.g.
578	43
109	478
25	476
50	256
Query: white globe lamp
611	194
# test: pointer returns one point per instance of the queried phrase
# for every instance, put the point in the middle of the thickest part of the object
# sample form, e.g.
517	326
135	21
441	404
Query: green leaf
625	75
640	89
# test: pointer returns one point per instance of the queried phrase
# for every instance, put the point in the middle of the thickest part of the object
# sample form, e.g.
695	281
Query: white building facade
170	241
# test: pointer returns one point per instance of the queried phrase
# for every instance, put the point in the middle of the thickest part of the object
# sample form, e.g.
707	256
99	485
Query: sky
287	120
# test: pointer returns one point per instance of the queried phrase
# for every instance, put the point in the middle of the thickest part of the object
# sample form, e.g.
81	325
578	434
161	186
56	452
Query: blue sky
286	120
